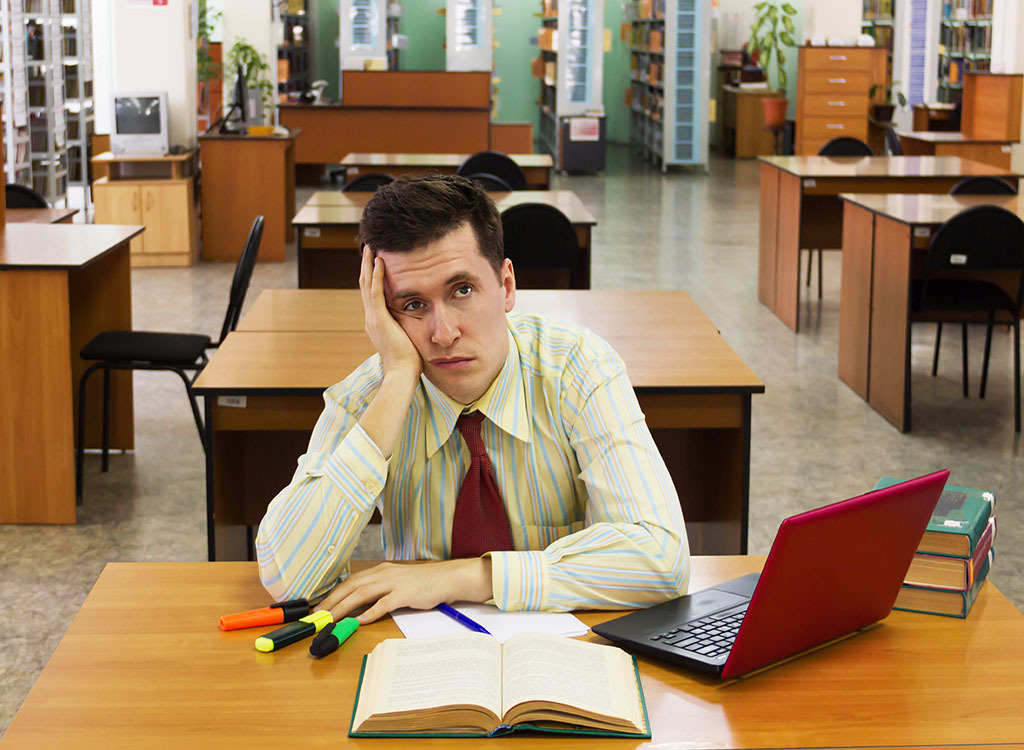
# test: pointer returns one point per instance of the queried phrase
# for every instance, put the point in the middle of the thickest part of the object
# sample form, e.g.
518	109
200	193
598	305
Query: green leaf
781	56
773	12
787	22
901	99
788	9
760	5
782	78
873	90
786	39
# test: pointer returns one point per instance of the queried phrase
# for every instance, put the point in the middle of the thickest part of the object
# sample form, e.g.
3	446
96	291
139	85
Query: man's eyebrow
454	279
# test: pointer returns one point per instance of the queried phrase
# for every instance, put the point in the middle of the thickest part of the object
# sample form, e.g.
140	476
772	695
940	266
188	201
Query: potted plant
882	113
770	33
256	69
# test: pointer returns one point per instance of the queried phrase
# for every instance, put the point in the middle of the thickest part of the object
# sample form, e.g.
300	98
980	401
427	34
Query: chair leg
819	273
988	349
963	351
938	341
195	408
106	419
810	262
1016	373
80	442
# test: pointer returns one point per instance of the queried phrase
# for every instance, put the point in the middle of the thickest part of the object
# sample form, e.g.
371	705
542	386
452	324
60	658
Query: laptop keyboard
709	636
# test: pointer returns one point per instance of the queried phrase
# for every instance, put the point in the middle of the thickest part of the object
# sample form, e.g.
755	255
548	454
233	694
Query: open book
471	685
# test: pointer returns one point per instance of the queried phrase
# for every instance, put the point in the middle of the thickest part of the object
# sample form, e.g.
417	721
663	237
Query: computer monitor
246	106
140	124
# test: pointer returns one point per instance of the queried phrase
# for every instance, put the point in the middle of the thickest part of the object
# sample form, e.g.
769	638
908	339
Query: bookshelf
76	23
369	38
469	35
293	56
44	42
669	44
964	45
879	23
14	93
570	70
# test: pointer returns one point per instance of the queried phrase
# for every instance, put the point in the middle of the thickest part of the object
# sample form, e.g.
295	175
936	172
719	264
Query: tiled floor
814	441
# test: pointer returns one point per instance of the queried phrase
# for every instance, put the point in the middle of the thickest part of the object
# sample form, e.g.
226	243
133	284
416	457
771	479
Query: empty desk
932	143
536	167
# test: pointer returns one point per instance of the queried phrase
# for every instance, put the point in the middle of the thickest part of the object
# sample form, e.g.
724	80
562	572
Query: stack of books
955	554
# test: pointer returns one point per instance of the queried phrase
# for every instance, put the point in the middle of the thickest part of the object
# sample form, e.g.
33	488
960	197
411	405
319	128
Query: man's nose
446	329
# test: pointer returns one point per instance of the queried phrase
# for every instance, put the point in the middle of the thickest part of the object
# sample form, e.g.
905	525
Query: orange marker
275	614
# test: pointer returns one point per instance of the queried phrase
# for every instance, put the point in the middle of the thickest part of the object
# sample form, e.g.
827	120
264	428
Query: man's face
449	301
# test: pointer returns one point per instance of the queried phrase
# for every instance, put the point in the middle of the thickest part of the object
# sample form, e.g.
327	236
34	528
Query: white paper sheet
416	623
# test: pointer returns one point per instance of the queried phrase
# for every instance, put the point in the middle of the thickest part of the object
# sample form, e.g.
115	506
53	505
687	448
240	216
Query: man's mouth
451	363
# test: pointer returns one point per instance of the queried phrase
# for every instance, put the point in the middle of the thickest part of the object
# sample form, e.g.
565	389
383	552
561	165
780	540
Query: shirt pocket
540	537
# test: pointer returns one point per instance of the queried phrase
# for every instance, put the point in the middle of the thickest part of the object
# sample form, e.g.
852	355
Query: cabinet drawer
834	83
833	127
837	58
836	106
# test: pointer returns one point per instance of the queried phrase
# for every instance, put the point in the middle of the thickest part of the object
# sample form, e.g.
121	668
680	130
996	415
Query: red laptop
830	571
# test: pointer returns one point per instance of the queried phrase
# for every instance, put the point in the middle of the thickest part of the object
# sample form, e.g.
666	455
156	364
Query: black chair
541	242
892	142
19	196
490	182
367	182
495	163
978	239
145	350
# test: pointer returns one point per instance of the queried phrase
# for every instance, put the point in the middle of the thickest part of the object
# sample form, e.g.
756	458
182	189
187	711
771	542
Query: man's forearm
384	417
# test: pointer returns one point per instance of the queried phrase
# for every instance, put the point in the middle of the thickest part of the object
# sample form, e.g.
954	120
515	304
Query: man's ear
508	283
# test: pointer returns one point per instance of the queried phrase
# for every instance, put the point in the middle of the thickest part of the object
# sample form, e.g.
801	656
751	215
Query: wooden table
934	116
881	236
41	215
536	167
328	226
936	143
800	208
164	676
743	133
60	285
694	389
244	177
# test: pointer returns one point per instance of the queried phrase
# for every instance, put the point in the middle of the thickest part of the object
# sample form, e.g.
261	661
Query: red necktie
480	524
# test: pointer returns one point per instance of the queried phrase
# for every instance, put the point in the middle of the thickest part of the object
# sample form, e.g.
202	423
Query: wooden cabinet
832	94
158	193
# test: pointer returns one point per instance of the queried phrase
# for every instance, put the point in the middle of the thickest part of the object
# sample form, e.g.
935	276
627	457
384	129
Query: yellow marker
294	631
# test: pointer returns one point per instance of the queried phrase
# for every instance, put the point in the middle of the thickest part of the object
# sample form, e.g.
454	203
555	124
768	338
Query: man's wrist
475	580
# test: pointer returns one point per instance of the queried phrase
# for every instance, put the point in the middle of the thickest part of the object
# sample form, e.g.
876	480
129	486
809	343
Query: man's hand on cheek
397	352
390	586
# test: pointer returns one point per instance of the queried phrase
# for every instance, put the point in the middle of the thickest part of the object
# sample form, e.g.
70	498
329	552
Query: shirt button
369	485
330	550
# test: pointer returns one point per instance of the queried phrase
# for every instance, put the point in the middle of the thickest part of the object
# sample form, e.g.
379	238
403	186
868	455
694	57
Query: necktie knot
469	426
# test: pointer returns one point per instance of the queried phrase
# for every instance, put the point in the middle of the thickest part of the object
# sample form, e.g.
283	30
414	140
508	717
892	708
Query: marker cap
331	638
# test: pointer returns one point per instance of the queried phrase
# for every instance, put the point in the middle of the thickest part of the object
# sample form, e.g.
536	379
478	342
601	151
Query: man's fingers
377	611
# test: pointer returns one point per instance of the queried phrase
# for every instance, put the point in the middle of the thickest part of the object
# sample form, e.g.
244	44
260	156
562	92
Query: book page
597	679
409	675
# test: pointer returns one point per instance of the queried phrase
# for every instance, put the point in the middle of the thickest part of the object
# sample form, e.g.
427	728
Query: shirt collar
504	403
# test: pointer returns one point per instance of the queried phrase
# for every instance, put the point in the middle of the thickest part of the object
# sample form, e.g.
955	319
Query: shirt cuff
357	468
519	580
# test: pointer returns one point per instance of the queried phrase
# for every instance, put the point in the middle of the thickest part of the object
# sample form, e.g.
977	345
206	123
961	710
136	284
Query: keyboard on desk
708	636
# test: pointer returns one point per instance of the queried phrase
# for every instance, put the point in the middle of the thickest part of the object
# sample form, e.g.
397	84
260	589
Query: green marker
329	639
294	631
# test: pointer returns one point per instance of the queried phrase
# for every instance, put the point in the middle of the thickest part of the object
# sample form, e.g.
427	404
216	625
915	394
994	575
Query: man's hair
414	211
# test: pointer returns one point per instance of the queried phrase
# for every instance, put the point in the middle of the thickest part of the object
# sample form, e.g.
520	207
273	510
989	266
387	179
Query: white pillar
255	22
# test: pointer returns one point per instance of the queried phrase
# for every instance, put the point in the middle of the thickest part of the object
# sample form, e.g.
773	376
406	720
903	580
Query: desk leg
583	262
300	258
889	358
211	542
787	256
855	298
769	240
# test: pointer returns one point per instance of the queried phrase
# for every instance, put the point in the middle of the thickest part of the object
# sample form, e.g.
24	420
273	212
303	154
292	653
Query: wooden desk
881	235
536	167
743	133
41	215
692	386
60	285
800	208
165	676
244	177
329	223
934	117
930	143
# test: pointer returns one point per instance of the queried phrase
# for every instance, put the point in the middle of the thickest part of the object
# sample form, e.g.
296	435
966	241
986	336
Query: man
509	449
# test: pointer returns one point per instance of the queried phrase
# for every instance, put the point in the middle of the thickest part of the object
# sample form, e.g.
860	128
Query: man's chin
455	385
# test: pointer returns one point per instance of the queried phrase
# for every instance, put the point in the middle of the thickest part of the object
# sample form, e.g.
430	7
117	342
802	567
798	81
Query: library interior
765	213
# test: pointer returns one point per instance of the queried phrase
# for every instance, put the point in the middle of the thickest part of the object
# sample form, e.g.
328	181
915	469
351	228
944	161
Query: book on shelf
936	601
959	573
958	522
473	686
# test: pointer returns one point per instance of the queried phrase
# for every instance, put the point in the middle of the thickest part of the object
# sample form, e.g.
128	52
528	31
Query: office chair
842	146
978	239
367	182
19	196
495	163
490	182
892	142
541	242
145	350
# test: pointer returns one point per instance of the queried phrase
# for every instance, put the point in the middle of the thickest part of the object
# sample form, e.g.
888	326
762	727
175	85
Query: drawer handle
837	80
837	57
837	104
835	126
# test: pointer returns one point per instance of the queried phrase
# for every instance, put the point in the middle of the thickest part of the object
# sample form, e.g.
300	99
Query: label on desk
311	232
236	402
922	232
810	183
1006	149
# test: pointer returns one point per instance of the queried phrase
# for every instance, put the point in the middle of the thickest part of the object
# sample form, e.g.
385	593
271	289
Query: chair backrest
495	163
19	196
979	238
844	145
983	186
367	182
541	242
956	116
892	142
490	182
243	273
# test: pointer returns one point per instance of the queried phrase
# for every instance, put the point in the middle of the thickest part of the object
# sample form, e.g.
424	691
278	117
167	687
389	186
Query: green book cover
958	522
933	601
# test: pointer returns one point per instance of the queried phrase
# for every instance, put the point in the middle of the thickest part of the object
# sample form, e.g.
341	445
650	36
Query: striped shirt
594	514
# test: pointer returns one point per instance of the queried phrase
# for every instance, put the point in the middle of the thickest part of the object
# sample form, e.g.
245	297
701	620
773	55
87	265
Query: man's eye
463	291
413	306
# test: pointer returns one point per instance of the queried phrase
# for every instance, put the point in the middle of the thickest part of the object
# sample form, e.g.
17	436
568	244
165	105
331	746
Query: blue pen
462	619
